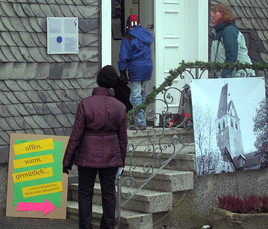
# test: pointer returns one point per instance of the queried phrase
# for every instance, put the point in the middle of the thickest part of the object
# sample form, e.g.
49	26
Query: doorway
121	9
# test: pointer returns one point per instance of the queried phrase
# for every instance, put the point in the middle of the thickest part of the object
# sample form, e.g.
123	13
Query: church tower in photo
229	138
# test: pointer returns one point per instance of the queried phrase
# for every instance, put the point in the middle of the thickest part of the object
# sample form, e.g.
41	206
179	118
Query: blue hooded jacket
135	54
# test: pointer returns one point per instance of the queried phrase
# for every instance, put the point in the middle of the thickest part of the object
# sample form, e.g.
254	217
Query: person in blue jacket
228	43
135	57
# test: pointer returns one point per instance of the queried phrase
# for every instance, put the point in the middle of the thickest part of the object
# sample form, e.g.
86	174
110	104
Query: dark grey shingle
3	111
3	86
84	93
6	23
8	54
27	10
53	122
62	119
12	110
25	85
72	106
37	10
41	121
18	10
62	106
53	96
30	109
61	94
38	131
49	131
56	70
67	131
30	122
3	151
21	122
46	9
8	9
72	94
59	131
53	107
34	96
21	109
22	97
44	95
13	85
41	108
35	84
13	123
7	38
88	24
4	125
71	117
11	97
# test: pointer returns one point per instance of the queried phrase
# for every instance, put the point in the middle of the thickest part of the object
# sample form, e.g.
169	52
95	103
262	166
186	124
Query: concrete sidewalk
32	223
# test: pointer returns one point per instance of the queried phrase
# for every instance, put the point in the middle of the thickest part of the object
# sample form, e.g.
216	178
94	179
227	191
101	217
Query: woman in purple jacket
98	143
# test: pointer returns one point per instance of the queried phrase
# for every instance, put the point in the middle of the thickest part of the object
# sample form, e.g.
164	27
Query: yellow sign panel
42	189
32	174
35	146
31	161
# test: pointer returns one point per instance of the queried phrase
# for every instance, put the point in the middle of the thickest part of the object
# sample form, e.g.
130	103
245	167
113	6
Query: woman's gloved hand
123	76
66	169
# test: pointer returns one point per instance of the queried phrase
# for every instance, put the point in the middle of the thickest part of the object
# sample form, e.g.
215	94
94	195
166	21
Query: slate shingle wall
39	93
252	17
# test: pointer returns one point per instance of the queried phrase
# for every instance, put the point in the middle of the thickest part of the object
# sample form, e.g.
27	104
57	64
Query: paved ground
30	223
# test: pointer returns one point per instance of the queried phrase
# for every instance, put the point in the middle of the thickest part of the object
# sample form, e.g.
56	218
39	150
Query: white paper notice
62	35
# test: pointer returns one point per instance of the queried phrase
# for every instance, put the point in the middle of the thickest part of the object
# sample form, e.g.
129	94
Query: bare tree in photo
205	137
261	131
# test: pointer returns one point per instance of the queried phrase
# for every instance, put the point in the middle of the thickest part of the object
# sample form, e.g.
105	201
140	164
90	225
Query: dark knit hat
132	21
107	77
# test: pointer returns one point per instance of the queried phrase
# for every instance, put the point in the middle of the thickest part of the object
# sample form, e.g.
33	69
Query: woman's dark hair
226	12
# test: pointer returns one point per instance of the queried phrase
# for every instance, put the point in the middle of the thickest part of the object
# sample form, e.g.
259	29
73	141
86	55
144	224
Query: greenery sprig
183	66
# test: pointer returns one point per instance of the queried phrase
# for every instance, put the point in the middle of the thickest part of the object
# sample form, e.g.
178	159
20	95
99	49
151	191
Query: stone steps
128	220
147	151
152	134
165	180
184	160
146	201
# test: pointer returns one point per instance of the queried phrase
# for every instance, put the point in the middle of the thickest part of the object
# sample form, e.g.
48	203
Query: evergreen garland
179	70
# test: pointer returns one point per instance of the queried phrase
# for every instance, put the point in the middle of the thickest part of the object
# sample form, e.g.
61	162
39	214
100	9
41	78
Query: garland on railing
177	71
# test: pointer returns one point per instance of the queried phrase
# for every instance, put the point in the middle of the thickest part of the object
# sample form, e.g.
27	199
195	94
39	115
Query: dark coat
122	93
99	135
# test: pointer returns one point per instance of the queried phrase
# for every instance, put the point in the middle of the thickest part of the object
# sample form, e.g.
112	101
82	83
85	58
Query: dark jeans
86	180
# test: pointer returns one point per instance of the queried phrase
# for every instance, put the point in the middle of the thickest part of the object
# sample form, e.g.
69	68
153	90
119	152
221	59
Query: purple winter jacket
99	135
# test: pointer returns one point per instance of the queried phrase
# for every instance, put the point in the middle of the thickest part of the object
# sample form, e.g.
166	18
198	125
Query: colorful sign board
37	187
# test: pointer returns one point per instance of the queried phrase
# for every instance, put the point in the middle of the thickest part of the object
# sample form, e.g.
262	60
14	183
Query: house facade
40	92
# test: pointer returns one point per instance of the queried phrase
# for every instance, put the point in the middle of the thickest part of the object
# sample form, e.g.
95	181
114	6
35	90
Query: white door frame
106	33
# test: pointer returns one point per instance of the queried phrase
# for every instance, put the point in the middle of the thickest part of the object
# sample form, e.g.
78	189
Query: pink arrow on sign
46	207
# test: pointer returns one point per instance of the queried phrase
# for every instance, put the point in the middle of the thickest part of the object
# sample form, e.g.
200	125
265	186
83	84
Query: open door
181	33
169	43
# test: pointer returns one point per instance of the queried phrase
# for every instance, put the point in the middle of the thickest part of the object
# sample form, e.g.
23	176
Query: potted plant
250	212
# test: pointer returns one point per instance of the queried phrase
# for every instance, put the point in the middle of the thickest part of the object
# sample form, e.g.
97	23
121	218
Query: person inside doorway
135	57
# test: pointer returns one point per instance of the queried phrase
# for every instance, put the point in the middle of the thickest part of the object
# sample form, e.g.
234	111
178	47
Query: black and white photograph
230	124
